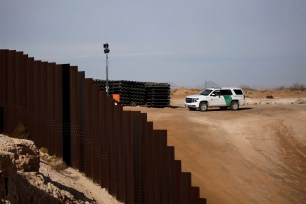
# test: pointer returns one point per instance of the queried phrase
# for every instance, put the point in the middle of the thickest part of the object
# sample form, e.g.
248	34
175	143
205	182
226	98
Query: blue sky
260	43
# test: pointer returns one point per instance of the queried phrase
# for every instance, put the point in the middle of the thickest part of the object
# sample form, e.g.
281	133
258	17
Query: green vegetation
20	132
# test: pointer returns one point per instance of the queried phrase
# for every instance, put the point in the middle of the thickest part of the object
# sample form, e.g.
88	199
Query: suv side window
226	92
215	93
238	91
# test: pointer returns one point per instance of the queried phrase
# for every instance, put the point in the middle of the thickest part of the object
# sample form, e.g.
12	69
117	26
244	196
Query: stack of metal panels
133	93
157	94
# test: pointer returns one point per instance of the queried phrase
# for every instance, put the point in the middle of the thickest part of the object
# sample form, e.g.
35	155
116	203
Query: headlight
195	100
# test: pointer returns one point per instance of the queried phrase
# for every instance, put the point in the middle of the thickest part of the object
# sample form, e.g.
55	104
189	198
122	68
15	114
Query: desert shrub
53	161
20	132
43	150
301	101
57	163
280	88
297	87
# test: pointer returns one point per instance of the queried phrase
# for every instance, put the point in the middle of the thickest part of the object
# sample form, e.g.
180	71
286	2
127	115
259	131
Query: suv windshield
205	92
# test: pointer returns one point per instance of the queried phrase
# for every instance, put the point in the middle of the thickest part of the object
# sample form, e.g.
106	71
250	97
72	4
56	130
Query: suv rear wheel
234	105
203	106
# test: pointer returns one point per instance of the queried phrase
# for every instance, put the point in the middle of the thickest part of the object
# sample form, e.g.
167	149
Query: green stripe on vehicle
228	99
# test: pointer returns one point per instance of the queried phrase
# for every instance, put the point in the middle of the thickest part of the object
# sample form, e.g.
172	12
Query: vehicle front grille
188	100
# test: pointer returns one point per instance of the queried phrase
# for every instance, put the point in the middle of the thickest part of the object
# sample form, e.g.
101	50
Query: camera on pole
106	51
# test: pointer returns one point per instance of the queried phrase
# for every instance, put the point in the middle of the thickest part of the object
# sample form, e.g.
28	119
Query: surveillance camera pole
106	84
106	51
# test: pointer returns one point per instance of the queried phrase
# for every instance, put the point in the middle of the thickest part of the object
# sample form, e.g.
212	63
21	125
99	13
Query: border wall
68	114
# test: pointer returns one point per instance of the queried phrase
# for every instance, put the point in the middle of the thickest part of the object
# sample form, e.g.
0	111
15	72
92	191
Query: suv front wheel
234	105
203	106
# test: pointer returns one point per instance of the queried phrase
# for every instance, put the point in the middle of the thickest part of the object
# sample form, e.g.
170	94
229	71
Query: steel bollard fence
74	120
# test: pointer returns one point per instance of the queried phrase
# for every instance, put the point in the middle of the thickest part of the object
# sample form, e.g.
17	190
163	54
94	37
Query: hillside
24	169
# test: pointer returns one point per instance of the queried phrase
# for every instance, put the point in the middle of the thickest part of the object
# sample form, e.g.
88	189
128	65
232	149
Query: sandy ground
77	183
59	180
254	155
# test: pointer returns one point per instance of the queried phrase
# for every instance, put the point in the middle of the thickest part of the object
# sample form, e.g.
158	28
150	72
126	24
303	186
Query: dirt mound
25	153
8	173
25	178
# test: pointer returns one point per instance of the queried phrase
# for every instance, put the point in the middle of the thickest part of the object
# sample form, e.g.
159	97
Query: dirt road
254	155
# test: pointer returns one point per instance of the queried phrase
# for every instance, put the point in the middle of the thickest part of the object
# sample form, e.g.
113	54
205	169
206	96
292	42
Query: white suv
212	97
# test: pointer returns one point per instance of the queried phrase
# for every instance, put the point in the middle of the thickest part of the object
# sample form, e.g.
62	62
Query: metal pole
106	85
106	51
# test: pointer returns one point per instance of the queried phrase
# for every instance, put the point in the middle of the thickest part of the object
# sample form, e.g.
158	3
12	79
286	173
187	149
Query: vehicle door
215	98
226	96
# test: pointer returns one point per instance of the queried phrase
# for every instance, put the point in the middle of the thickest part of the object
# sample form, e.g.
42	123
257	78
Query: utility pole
106	51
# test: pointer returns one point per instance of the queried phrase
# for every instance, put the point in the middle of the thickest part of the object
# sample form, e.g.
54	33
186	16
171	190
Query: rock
28	191
269	97
21	182
8	174
26	155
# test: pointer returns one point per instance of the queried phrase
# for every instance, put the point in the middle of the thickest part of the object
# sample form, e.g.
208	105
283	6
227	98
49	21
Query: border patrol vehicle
224	98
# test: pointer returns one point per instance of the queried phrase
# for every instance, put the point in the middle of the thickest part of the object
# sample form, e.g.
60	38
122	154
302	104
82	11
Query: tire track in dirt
292	155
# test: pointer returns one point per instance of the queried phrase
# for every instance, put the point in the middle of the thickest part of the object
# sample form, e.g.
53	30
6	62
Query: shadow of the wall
29	193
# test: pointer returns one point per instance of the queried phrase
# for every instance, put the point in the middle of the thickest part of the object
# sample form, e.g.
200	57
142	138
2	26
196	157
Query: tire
203	106
234	106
